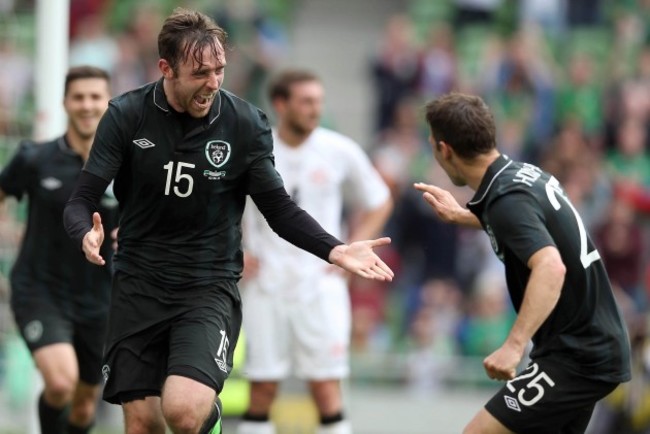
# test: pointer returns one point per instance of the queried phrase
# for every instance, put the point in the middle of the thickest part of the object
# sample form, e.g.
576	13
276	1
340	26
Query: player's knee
59	390
183	418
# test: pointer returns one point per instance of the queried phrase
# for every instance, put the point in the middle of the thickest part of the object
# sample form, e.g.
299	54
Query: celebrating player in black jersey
556	280
184	154
59	300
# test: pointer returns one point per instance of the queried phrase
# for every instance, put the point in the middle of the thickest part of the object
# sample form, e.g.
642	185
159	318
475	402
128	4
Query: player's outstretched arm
93	240
296	226
360	258
86	232
446	207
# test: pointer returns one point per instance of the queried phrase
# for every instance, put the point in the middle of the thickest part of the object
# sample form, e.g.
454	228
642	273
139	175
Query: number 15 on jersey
183	183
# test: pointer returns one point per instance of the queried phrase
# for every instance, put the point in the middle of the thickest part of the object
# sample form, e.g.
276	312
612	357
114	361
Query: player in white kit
296	309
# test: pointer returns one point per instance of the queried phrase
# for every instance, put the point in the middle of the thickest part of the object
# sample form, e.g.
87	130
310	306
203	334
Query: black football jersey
48	260
181	183
524	209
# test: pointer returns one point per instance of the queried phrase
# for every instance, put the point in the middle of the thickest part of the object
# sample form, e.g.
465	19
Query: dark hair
79	72
187	33
462	121
280	85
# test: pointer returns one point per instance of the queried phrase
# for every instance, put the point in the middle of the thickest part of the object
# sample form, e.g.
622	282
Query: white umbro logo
222	365
51	183
144	143
512	403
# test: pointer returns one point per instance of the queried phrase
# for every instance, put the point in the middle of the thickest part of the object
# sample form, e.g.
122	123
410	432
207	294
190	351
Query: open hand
446	206
359	258
93	240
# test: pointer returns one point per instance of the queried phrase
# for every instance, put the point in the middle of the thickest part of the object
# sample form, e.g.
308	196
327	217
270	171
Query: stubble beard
298	129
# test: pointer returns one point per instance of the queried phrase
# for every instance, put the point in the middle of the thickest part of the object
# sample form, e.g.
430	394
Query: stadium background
569	82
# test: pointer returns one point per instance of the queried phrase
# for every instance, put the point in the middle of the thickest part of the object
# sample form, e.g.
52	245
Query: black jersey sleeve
15	176
518	222
78	211
293	223
262	175
107	151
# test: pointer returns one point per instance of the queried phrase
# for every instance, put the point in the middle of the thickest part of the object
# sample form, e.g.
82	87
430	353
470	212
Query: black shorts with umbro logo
548	398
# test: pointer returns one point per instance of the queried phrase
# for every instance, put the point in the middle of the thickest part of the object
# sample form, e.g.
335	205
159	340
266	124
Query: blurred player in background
296	308
59	300
556	279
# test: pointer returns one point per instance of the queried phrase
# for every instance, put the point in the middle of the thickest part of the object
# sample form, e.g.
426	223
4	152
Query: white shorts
308	337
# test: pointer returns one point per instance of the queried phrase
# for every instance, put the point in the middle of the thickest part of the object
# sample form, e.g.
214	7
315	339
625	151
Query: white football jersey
320	174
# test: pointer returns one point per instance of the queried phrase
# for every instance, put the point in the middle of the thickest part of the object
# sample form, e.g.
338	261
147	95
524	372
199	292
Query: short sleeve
106	153
518	223
15	176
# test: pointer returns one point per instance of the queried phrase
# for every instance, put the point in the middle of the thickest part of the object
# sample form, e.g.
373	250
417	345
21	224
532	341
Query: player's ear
445	150
165	68
278	104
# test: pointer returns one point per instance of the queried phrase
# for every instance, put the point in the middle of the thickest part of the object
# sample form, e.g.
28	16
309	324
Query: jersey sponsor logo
214	174
106	372
144	143
51	183
217	152
33	331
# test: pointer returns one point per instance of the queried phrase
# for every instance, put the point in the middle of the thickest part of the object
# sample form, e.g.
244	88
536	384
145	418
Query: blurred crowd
569	86
121	37
568	82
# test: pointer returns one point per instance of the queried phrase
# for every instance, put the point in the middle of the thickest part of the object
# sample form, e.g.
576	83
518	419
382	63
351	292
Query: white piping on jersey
219	112
167	111
155	90
491	182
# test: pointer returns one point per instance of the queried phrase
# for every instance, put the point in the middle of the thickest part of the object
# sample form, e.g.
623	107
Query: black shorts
41	322
546	398
149	339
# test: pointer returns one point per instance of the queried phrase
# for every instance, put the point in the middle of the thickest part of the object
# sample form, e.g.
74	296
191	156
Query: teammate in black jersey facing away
556	280
59	300
184	154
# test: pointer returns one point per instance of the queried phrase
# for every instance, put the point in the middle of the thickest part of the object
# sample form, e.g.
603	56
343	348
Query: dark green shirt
181	184
49	265
524	209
